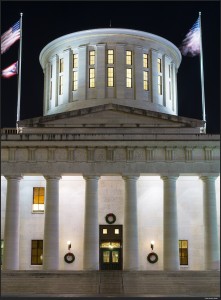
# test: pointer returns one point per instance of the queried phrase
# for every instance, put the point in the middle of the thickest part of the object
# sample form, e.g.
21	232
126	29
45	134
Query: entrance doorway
111	247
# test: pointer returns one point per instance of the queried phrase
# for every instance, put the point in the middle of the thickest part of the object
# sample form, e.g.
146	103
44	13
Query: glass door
110	256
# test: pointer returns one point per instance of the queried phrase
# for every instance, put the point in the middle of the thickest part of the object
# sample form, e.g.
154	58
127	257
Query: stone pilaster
170	225
11	234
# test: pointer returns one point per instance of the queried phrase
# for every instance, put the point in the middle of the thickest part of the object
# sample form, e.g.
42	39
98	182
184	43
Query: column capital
169	177
130	177
95	177
49	177
212	176
15	177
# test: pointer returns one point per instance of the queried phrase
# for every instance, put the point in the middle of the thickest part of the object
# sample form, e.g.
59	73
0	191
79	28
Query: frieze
109	154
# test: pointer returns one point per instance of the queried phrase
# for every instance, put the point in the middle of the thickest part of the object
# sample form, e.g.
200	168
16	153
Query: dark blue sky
44	21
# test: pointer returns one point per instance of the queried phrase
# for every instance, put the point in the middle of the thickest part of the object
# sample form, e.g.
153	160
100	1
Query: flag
191	43
10	71
10	37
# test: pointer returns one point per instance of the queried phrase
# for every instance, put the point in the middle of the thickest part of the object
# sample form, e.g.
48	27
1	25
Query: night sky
44	21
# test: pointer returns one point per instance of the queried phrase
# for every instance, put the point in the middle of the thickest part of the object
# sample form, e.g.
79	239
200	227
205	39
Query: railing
11	130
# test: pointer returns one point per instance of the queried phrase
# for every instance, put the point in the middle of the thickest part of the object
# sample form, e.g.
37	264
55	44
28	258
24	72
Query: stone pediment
112	115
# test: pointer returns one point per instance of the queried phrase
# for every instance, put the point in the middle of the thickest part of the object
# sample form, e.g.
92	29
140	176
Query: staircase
110	283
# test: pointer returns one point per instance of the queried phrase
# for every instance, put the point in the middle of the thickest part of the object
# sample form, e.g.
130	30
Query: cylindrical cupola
122	66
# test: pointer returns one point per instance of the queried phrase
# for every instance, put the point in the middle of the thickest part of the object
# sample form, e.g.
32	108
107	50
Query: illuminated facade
110	166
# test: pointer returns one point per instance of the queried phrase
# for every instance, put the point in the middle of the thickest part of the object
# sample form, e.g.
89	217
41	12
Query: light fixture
111	246
152	244
69	245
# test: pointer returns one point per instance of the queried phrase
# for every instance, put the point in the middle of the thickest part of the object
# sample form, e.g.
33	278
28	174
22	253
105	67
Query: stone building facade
110	166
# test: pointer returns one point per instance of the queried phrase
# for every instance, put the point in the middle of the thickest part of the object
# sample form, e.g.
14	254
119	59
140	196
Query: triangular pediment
112	115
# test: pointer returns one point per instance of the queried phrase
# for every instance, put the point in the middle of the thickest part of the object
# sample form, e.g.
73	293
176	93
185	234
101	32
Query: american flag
10	71
191	43
10	37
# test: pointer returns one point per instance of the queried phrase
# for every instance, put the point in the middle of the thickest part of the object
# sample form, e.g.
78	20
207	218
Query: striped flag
10	71
10	37
191	43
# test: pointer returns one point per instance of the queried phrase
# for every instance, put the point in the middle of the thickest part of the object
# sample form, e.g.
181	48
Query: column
51	226
170	228
130	232
138	76
153	76
101	71
174	88
91	227
11	234
212	258
82	73
67	97
55	70
120	71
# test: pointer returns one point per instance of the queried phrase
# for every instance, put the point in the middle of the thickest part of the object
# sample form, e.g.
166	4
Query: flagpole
19	74
202	74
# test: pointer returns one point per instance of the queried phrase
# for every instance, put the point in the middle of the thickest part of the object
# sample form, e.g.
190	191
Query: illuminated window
110	56
183	251
75	81
115	256
2	248
75	73
38	199
145	80
91	78
91	57
159	65
159	84
145	60
110	77
116	231
104	231
60	85
75	61
129	78
61	65
110	245
106	256
61	69
36	252
129	57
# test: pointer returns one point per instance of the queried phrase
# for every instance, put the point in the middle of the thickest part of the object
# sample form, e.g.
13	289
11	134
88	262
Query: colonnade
91	228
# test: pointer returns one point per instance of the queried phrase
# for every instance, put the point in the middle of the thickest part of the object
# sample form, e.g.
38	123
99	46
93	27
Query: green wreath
69	258
110	218
152	257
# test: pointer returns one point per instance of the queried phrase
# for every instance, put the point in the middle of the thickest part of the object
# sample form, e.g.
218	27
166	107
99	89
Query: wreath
152	257
110	218
69	258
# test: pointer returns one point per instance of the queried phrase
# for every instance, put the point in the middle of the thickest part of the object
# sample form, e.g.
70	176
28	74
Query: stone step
191	283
